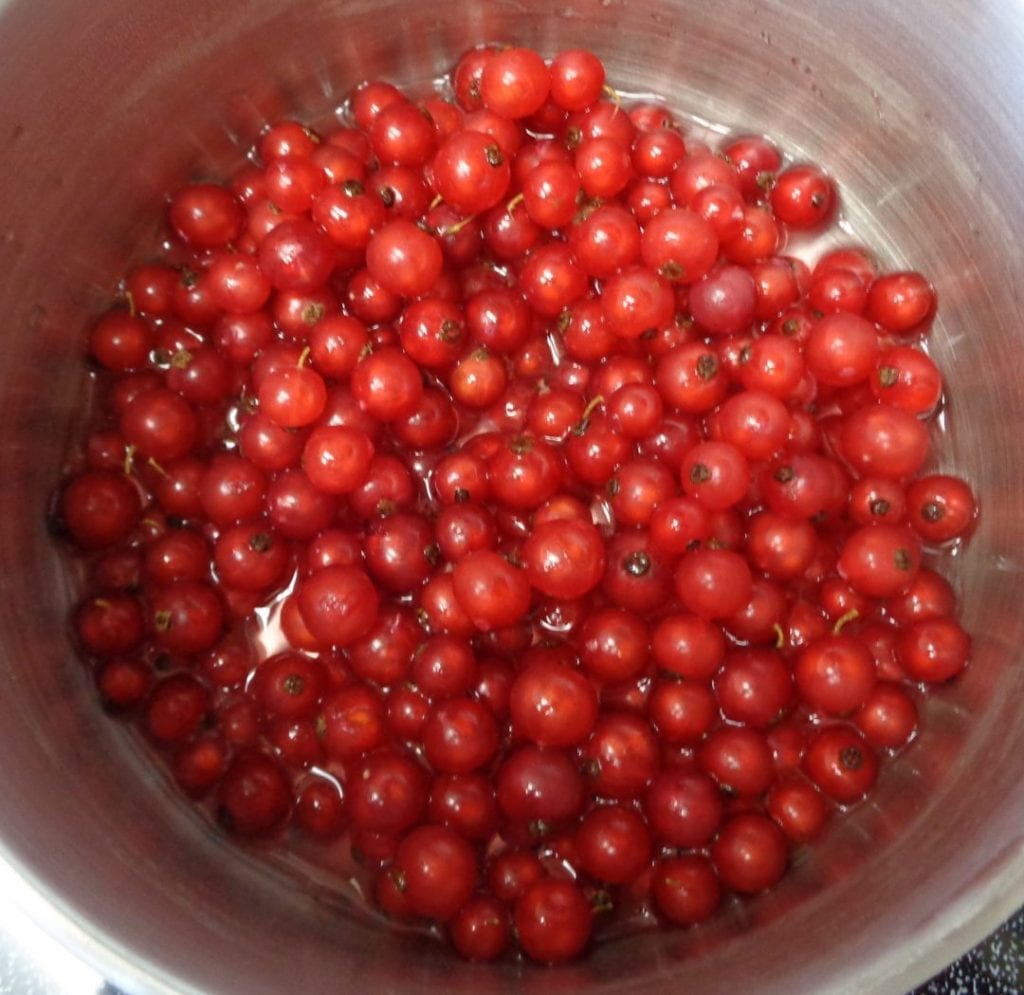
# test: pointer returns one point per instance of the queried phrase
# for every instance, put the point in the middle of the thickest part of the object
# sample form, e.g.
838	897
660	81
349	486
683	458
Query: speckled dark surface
994	967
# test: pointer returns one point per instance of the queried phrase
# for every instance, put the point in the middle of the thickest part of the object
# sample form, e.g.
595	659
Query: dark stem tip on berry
902	559
312	313
888	376
294	684
352	188
699	474
260	542
851	757
707	366
461	495
451	330
494	156
784	474
931	512
637	563
880	507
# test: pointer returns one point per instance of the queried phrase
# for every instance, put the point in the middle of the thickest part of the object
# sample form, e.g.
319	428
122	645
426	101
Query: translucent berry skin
481	931
881	561
685	889
205	215
460	735
339	604
565	559
577	77
539	786
933	650
438	870
941	508
254	798
99	508
614	844
750	853
683	809
680	245
404	259
297	256
491	591
552	705
553	921
835	674
515	83
470	172
160	425
337	458
803	197
840	762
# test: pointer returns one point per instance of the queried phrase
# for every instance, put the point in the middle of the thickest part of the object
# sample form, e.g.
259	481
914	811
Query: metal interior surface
917	110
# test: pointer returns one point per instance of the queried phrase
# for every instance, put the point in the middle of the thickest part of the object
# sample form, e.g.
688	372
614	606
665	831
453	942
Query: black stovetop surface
994	967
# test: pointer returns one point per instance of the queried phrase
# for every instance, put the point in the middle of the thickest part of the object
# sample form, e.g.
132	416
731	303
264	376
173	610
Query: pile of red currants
476	487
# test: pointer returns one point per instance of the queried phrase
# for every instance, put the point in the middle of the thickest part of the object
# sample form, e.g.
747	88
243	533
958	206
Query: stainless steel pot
916	107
